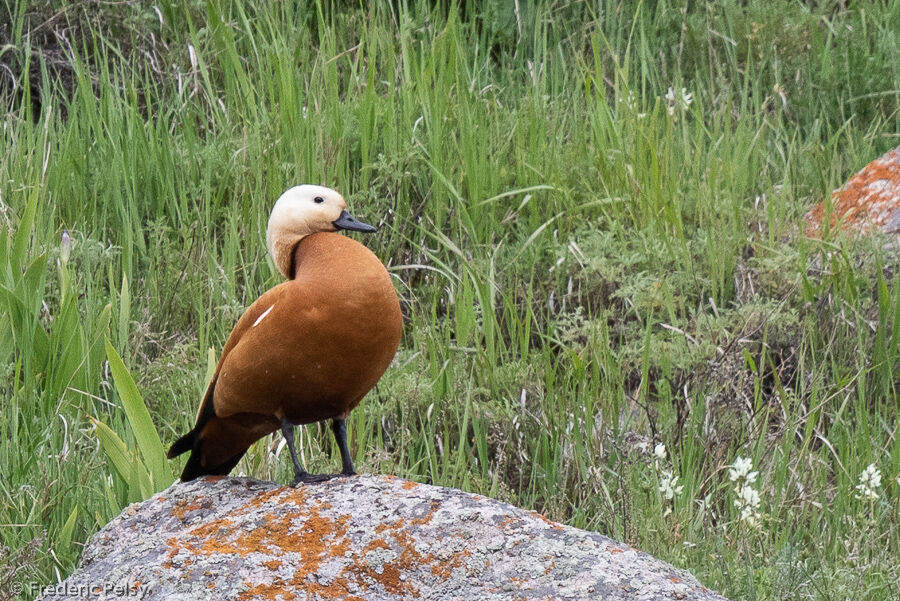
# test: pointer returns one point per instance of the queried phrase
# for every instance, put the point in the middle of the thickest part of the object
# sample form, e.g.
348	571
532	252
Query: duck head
305	210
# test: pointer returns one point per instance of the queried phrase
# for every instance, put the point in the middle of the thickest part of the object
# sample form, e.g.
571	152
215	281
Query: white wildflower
678	101
740	471
660	451
748	502
668	485
869	483
871	475
747	497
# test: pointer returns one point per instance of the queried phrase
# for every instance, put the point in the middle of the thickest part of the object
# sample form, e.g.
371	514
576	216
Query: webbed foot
307	478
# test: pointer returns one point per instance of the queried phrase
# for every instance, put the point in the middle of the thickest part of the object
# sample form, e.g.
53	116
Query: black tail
192	441
183	444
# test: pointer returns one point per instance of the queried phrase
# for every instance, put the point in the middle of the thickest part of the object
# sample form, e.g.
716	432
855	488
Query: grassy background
582	273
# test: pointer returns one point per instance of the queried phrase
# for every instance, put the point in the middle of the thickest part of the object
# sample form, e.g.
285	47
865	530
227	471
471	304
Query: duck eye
318	200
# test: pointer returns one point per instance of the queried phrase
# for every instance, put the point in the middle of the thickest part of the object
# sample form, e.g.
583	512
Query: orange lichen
297	495
409	485
389	578
408	558
553	524
272	591
184	507
433	506
299	527
336	589
390	575
210	531
378	543
871	198
444	570
508	521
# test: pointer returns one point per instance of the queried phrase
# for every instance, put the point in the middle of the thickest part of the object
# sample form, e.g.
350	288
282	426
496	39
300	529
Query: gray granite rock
367	537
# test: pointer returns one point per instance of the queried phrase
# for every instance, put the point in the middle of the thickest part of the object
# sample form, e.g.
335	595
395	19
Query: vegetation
593	214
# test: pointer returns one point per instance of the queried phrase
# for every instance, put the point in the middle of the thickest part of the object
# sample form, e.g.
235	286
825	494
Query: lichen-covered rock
869	201
366	537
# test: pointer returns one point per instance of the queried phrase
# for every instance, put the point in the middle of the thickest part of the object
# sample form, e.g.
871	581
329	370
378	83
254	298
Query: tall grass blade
145	434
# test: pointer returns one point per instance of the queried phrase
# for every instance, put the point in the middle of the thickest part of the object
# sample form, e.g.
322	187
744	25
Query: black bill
346	221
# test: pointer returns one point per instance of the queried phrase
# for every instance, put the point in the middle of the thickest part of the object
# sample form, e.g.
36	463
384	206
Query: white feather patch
260	318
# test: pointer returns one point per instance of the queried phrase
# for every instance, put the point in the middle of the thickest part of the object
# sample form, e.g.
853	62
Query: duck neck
282	251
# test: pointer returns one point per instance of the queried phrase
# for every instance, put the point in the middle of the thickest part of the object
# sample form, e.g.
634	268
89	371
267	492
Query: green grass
582	274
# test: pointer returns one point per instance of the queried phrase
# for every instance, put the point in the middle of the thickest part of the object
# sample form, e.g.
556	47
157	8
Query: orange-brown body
307	350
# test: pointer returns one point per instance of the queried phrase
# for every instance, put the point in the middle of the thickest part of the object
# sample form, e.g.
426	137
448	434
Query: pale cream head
301	211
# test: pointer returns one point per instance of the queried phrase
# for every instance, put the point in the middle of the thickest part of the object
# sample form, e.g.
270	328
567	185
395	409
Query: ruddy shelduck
307	350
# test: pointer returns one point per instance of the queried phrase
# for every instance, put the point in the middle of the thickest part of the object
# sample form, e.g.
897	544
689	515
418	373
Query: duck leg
287	430
300	474
340	435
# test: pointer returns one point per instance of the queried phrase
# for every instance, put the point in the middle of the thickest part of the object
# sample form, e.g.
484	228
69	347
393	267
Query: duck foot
301	476
307	478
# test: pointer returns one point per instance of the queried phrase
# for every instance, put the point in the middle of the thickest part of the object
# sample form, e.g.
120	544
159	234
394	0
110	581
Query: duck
307	350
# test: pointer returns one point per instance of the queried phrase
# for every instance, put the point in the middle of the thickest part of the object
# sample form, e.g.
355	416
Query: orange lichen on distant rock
869	200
